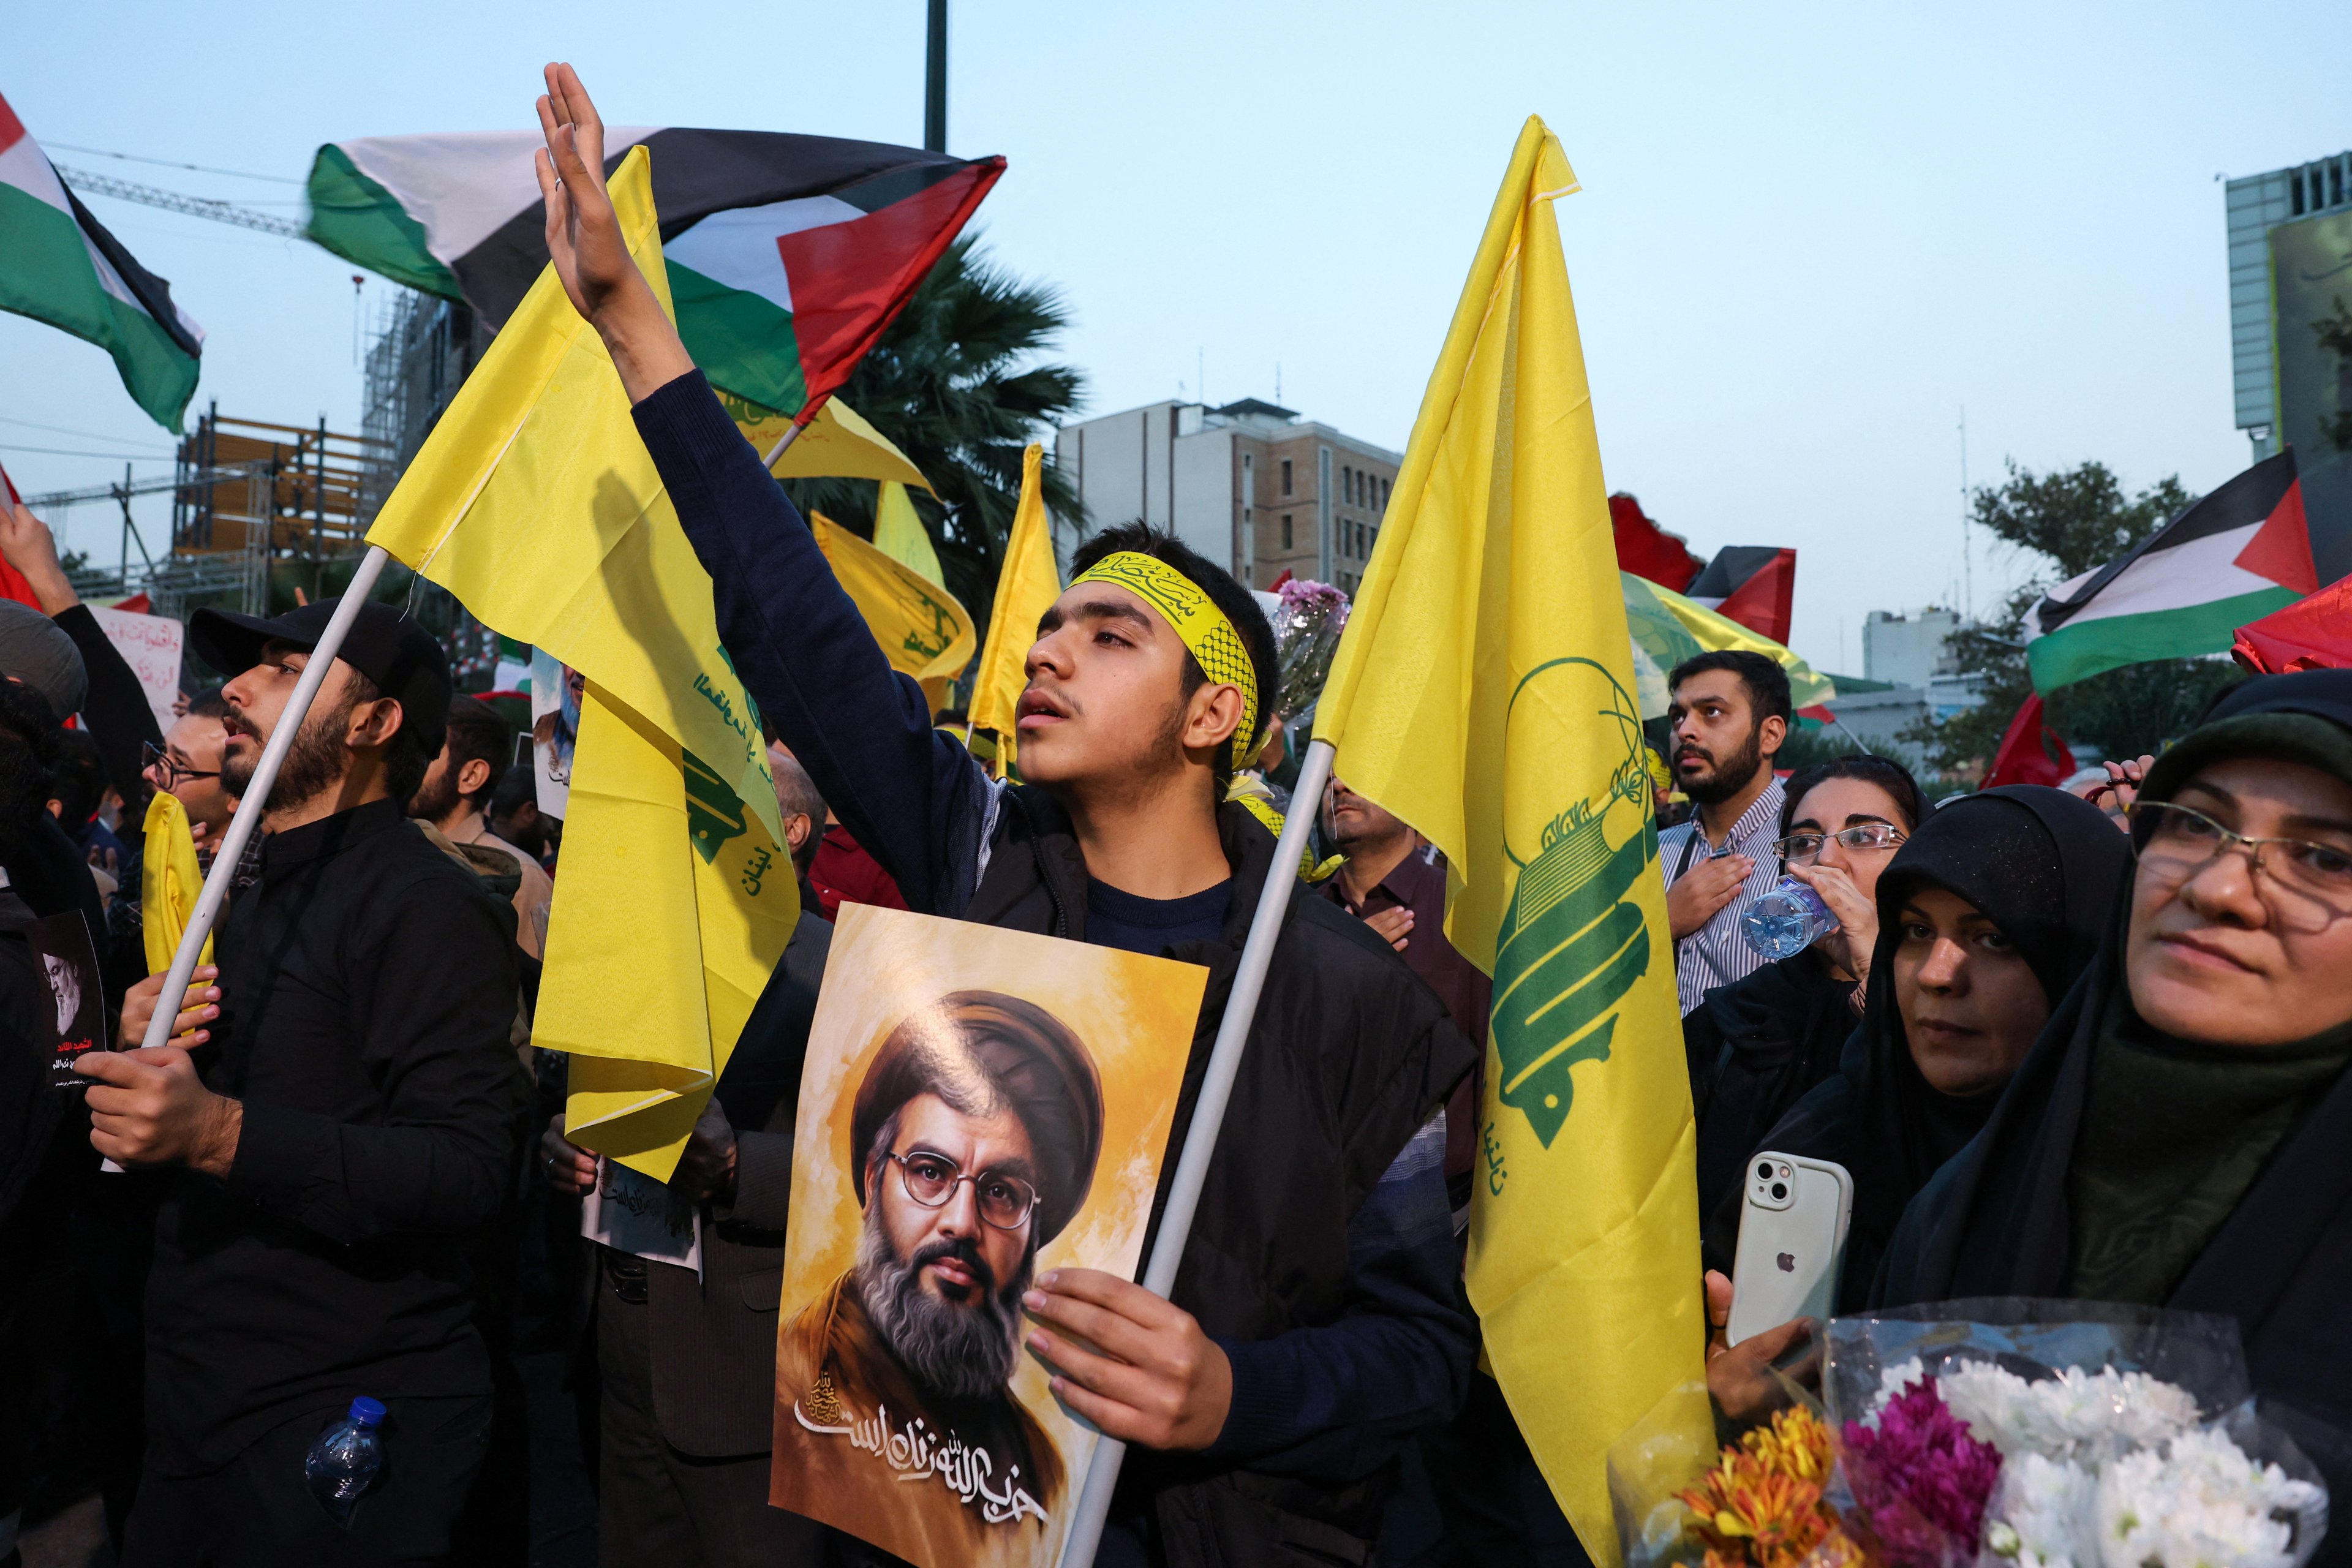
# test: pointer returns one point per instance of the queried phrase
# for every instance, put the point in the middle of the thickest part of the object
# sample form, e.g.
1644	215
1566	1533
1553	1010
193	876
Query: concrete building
2254	207
1249	485
1907	649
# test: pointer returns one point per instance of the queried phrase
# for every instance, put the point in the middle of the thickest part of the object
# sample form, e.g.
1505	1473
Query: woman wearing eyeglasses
1986	915
1758	1044
2179	1135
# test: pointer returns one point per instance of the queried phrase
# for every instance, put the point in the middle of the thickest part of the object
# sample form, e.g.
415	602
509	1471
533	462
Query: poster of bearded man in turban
977	1105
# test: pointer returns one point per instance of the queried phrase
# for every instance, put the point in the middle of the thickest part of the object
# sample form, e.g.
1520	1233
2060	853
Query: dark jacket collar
1039	820
329	835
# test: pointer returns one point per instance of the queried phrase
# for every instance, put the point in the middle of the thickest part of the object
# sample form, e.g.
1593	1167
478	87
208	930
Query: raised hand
584	241
26	544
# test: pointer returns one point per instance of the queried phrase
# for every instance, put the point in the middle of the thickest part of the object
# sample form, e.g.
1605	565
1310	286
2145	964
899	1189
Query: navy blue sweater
1328	1403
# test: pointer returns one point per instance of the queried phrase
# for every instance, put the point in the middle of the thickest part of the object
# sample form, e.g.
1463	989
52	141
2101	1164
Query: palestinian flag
2233	557
1754	584
787	254
59	265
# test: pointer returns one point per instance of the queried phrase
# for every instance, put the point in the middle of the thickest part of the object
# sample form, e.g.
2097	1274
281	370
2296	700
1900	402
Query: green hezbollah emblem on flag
1571	944
714	813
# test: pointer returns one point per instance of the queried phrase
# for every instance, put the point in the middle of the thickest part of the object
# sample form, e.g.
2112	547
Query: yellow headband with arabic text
1198	625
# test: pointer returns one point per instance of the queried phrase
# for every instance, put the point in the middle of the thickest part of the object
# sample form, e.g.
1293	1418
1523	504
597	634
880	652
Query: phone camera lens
1765	1170
1780	1192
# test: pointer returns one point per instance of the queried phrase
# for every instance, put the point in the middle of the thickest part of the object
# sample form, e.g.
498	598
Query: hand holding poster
977	1106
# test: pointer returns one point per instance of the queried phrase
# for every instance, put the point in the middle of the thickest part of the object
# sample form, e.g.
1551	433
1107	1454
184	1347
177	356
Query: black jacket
1756	1047
368	991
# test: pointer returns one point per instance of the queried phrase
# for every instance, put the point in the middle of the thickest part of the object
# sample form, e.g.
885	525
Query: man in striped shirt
1730	713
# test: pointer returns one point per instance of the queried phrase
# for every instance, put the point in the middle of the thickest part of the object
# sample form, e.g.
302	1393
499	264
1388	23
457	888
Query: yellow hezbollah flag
168	882
900	534
535	502
922	630
1026	589
838	443
1484	692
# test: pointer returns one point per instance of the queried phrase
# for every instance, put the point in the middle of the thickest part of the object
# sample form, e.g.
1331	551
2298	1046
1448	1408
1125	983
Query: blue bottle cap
366	1412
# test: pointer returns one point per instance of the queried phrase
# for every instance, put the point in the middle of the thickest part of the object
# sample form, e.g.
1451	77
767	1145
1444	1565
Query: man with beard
1729	713
337	1129
975	1137
455	800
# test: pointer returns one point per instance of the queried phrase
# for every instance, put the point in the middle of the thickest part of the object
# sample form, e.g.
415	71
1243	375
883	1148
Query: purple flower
1921	1480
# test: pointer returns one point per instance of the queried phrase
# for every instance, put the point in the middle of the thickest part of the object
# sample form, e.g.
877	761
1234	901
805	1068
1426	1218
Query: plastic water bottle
1787	921
342	1463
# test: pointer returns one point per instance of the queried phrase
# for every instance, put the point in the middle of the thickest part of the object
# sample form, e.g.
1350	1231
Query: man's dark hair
478	733
1766	682
514	787
208	704
1885	772
1228	595
77	780
406	760
950	718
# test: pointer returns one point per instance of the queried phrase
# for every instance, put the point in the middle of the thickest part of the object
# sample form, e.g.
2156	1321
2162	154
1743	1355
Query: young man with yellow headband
1316	1320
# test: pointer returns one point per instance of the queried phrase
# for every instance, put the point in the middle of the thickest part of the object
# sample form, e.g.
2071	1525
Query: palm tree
955	380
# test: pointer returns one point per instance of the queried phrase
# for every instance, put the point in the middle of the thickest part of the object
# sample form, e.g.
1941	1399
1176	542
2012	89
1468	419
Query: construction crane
172	201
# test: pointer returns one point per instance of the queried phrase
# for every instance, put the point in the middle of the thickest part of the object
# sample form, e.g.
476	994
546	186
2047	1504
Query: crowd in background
2064	1050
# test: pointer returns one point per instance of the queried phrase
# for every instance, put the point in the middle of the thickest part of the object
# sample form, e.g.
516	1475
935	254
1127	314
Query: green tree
2068	523
957	380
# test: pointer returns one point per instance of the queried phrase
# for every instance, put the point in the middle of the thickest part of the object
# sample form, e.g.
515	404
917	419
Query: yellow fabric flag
535	502
1026	589
899	533
839	443
169	882
1484	692
922	630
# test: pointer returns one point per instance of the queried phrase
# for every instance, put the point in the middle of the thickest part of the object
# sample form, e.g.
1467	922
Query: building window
1384	495
1285	516
1286	488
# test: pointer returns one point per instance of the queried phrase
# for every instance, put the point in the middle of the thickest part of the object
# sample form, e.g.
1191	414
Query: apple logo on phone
1787	1262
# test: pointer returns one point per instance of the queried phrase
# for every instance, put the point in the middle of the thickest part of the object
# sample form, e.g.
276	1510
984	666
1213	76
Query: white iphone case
1793	1224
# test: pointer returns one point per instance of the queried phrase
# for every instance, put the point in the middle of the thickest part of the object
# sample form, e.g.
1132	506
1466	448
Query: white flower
2072	1415
2201	1502
2041	1514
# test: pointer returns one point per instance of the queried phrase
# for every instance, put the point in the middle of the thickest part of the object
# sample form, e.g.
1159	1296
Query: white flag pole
1209	1116
250	805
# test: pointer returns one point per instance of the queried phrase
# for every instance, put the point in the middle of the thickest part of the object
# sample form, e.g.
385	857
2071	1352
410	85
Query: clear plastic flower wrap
1307	633
2021	1434
1986	1434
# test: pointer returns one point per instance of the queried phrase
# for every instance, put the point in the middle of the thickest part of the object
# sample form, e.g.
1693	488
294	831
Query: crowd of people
2061	1053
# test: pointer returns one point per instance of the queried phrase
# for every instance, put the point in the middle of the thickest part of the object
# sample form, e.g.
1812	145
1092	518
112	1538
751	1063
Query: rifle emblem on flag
1571	944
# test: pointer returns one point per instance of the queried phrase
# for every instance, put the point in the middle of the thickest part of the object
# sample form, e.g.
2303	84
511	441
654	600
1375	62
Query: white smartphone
1792	1226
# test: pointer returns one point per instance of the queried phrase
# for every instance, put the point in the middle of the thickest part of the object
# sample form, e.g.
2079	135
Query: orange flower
1761	1506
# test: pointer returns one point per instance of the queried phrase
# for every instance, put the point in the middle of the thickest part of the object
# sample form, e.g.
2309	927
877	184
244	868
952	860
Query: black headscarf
2043	867
1997	1222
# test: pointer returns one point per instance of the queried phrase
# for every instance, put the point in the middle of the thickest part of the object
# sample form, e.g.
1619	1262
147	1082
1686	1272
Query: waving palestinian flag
59	265
787	254
1754	584
2233	557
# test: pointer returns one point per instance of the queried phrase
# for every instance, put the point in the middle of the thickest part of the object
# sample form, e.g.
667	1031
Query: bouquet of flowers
2122	1440
1306	635
1983	1435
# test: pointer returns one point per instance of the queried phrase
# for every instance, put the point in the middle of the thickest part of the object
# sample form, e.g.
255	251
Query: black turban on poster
981	1051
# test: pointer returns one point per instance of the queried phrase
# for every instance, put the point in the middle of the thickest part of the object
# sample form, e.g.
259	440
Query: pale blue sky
1808	236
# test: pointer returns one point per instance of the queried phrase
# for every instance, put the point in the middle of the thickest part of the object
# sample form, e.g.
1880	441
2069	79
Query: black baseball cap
399	656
